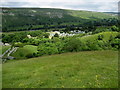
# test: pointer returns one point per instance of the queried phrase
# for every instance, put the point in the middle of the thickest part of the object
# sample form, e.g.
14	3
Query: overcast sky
90	5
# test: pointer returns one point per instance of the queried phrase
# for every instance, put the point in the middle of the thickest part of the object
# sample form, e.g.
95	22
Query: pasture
87	69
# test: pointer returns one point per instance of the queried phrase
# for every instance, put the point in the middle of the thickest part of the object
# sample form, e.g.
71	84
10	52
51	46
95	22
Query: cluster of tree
104	29
87	25
22	36
58	45
73	44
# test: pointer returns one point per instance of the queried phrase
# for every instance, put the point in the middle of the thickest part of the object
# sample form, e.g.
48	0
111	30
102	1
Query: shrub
93	45
118	36
111	38
72	45
47	48
115	43
29	55
46	35
115	28
100	37
56	35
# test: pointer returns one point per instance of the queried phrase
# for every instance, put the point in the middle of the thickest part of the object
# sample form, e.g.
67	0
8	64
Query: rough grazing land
89	69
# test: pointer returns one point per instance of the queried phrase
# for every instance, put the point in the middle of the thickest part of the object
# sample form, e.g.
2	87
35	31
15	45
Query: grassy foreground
89	69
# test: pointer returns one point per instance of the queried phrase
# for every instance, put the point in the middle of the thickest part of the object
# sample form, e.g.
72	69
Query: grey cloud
14	4
90	6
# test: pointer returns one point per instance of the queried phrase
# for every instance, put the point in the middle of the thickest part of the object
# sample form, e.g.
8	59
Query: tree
114	28
30	55
56	35
111	38
47	49
72	45
100	37
46	35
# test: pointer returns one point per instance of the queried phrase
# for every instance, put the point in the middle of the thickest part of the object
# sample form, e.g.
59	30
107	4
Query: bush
93	45
115	28
100	37
46	35
111	38
29	55
83	47
56	35
72	45
47	49
118	36
115	43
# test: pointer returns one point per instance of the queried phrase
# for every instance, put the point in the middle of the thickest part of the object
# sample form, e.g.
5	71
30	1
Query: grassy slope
23	51
4	48
88	14
95	36
56	12
71	70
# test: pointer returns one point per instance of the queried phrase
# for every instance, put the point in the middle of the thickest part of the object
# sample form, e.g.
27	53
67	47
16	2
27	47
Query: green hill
88	69
15	19
106	36
23	51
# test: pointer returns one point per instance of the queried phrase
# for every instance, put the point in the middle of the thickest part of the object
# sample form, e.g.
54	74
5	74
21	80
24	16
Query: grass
106	36
4	48
89	69
89	14
23	51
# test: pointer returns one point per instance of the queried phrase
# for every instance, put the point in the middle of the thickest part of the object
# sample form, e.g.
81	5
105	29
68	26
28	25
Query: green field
88	69
23	51
106	36
89	14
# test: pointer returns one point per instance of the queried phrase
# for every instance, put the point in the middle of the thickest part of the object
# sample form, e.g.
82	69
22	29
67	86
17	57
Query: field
106	36
88	69
89	14
23	51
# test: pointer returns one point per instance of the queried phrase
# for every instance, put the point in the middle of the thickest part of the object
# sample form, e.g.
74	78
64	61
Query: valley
59	48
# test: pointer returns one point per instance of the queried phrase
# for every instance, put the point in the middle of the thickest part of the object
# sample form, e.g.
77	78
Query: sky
89	5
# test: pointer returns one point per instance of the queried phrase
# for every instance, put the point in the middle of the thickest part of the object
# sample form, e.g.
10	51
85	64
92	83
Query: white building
7	44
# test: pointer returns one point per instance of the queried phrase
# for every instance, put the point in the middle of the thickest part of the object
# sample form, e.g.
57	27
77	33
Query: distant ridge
20	18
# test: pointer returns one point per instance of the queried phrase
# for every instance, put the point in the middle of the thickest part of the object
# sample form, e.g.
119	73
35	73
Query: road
9	51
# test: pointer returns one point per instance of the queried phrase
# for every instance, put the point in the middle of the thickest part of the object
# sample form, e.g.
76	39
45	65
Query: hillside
112	13
23	51
94	37
16	19
88	69
79	41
